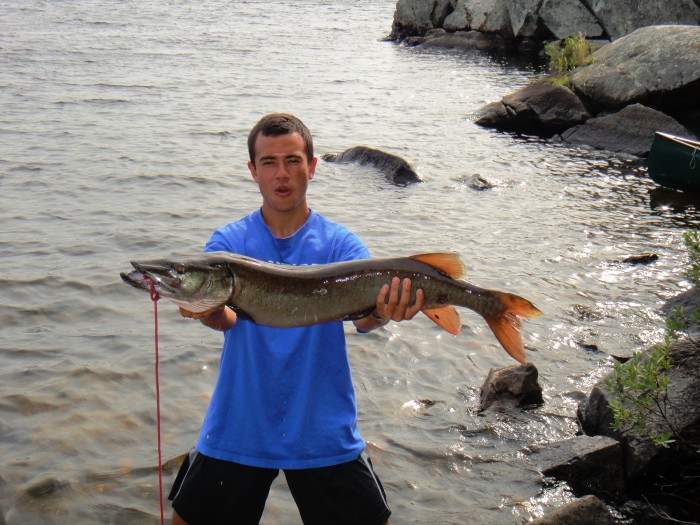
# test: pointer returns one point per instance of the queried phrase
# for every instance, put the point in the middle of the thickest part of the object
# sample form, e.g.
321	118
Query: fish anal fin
446	318
448	263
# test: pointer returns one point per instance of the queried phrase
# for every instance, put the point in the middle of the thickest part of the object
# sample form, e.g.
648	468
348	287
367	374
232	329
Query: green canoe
674	162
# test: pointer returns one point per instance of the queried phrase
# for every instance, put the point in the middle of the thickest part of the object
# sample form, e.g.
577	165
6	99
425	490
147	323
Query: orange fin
446	318
506	325
449	263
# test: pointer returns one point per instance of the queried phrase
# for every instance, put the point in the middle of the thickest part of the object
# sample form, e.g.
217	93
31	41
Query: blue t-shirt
284	396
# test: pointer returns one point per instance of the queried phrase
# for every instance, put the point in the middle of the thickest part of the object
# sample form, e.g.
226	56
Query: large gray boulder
631	130
589	464
642	83
416	17
657	66
489	16
621	17
523	17
541	19
563	18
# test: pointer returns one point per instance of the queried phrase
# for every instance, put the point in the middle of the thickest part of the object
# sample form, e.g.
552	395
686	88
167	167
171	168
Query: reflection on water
123	137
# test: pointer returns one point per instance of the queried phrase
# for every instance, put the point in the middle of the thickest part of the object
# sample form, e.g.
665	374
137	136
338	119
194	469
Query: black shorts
211	491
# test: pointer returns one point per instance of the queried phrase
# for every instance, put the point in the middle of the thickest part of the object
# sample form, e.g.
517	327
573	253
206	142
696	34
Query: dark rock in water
476	182
643	258
394	167
590	465
588	510
511	387
541	108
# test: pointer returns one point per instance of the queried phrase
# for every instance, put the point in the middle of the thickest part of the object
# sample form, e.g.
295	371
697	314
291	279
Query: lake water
122	136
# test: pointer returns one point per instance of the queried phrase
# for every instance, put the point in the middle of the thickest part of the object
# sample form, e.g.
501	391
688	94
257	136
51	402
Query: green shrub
638	388
692	242
570	53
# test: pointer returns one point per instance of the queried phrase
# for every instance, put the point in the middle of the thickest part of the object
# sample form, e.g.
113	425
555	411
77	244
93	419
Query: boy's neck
285	224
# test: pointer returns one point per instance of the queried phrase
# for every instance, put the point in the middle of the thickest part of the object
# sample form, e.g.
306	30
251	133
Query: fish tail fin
506	325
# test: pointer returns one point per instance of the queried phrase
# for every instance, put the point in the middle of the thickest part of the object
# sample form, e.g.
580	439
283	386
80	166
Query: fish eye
180	268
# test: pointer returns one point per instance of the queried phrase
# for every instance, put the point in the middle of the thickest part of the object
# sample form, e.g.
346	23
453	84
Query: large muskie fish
283	295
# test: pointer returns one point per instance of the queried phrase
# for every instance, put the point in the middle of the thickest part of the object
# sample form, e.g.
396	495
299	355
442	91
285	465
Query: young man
284	397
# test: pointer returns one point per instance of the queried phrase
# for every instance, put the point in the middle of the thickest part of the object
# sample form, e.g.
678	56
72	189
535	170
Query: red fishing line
154	298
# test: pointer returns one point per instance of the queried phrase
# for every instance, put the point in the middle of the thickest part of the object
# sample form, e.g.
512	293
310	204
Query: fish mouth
145	274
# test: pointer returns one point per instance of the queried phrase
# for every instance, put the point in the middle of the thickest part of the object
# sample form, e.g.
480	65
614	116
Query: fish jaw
136	279
194	285
165	276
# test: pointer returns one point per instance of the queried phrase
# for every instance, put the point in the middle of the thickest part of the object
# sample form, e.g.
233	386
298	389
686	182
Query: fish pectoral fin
448	263
446	318
240	313
359	315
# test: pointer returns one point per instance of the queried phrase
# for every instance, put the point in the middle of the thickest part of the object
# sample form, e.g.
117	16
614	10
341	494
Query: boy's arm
220	318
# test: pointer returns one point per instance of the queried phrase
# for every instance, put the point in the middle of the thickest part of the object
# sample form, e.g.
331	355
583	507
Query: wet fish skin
285	296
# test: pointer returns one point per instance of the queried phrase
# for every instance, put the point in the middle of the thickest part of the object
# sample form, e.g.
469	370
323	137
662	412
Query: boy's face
282	171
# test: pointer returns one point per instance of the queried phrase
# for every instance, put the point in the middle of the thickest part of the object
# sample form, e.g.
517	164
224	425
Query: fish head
197	285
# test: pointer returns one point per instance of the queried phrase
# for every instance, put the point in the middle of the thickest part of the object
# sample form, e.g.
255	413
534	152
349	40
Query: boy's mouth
283	190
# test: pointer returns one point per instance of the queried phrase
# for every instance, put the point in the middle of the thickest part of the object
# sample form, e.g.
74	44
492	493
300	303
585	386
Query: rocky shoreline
644	77
618	476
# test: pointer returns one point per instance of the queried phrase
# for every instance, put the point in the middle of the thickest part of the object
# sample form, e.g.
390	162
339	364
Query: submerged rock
642	258
43	488
476	182
394	167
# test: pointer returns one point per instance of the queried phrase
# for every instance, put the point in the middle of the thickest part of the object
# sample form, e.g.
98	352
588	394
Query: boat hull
674	162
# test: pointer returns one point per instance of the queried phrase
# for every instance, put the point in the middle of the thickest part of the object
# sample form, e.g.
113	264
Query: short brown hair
276	124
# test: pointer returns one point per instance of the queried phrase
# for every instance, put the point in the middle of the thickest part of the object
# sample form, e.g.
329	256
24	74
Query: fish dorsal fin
449	263
446	318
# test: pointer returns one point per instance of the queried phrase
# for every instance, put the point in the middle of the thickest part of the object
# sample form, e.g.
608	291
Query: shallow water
122	136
